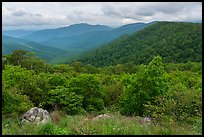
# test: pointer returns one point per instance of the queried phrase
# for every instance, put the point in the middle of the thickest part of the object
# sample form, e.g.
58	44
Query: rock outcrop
35	115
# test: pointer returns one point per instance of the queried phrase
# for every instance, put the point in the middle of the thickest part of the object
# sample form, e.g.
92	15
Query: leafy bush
95	104
57	79
180	104
112	93
63	98
150	82
25	81
13	102
89	87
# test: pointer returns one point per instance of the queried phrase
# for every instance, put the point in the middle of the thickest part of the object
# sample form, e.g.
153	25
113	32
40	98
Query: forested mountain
173	41
93	39
72	30
9	44
75	38
17	33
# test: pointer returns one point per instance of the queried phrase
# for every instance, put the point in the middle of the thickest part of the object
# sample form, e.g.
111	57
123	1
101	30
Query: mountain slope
9	44
173	41
72	30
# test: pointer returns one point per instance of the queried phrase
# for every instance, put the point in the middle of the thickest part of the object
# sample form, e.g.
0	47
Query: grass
87	125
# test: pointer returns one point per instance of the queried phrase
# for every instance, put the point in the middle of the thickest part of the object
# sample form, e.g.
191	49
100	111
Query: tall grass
87	125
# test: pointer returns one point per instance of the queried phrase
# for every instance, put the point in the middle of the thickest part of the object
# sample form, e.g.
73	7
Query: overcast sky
43	15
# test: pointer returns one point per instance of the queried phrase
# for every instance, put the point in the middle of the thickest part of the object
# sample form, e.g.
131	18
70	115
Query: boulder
35	115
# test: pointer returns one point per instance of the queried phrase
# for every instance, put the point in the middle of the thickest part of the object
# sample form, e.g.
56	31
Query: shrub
57	79
95	104
180	104
112	93
87	86
13	102
63	98
25	81
150	82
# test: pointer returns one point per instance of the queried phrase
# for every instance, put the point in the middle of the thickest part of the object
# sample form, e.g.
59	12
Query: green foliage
149	83
170	93
63	98
42	82
112	92
95	104
17	57
50	129
57	79
87	86
26	60
78	67
194	81
91	69
13	101
179	104
60	68
25	80
15	75
189	66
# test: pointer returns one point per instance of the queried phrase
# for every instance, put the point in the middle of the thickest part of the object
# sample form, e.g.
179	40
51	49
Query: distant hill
93	39
173	41
17	33
9	44
72	30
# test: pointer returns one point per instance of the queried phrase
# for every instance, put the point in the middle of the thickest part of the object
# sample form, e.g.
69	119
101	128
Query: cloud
16	17
18	13
52	14
149	10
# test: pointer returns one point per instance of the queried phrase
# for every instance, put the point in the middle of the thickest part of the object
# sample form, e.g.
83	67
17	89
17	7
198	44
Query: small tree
150	82
17	57
90	88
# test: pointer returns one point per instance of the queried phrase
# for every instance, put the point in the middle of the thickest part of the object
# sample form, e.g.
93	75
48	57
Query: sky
48	15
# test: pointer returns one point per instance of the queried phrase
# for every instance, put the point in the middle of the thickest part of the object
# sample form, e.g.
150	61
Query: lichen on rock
35	115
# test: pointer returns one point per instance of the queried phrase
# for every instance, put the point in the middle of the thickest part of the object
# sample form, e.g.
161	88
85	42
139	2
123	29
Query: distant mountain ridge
17	33
93	39
72	30
82	37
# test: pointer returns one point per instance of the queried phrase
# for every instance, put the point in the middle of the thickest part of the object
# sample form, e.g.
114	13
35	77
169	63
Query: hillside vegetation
155	73
177	42
170	94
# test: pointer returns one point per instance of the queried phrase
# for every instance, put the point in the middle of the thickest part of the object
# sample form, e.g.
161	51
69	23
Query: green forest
167	91
177	42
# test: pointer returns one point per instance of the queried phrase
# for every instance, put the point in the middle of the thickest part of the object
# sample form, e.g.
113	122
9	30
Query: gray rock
35	115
